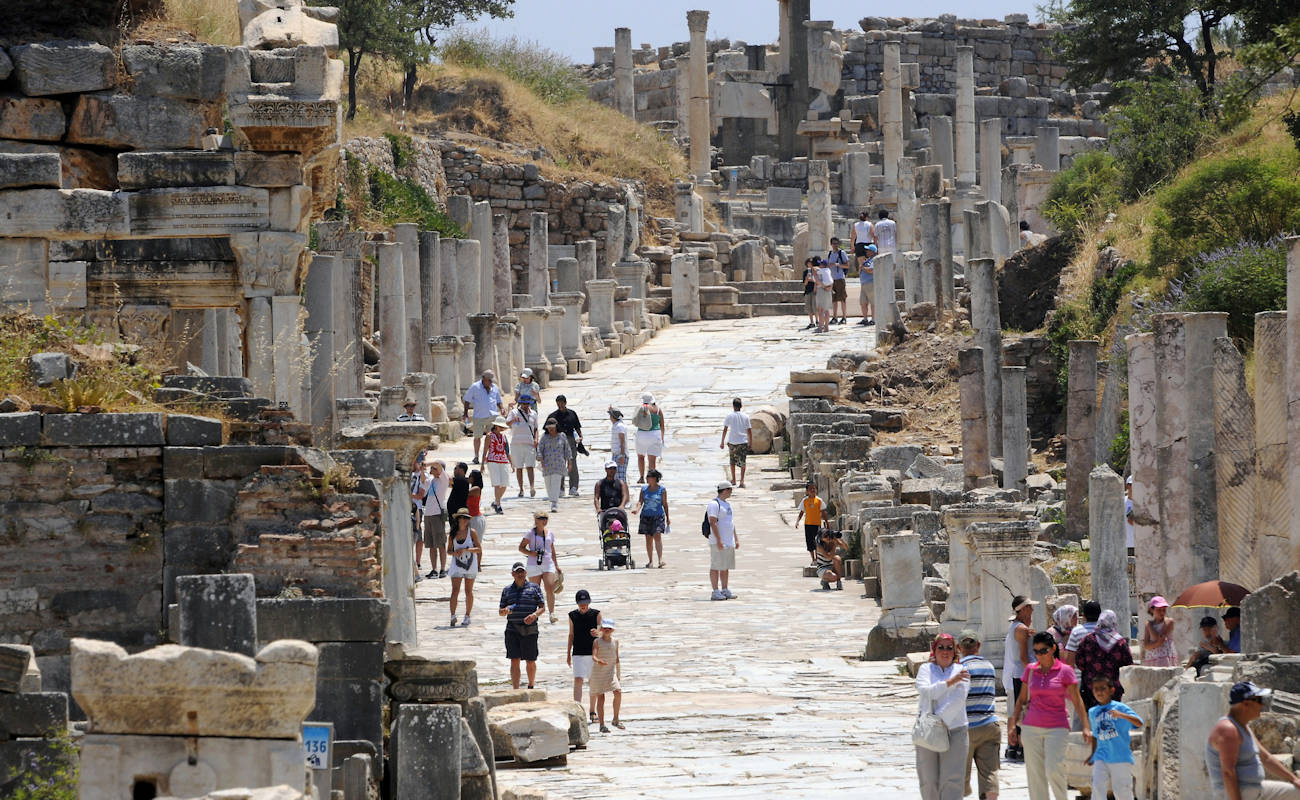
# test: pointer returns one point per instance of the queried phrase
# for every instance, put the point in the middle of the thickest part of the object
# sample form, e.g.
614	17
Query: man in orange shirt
810	511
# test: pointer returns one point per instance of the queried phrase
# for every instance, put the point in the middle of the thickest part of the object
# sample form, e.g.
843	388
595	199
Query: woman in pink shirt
1046	685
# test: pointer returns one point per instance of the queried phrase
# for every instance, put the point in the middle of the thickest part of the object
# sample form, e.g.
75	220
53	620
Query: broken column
446	370
1108	551
418	386
947	283
585	251
1234	469
1202	330
426	758
615	238
600	298
931	272
1005	551
965	133
503	339
1142	415
902	599
1272	499
485	354
1080	434
985	318
570	303
886	296
700	124
430	296
1171	448
1293	385
1015	430
991	159
976	466
408	239
1047	148
533	320
819	207
449	314
217	612
539	281
890	103
390	278
502	273
469	260
349	371
318	298
906	205
552	339
566	275
481	231
941	151
686	288
624	90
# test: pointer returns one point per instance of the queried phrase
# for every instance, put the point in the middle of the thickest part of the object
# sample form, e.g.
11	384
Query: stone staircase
771	298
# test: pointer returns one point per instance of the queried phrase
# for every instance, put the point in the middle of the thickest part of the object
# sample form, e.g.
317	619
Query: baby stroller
615	542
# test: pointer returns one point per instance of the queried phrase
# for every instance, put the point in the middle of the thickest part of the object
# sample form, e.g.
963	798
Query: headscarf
934	646
1106	635
1062	617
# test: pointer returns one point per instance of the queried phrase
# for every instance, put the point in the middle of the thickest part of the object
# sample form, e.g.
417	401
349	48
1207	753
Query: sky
574	27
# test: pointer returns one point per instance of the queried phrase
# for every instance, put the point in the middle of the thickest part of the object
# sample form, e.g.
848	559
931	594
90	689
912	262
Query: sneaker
496	507
433	573
826	587
442	573
573	493
521	492
863	322
555	506
718	595
475	461
554	619
453	621
844	320
418	577
810	326
727	594
465	623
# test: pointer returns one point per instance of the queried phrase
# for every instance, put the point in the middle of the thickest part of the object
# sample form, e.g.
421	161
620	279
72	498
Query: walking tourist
1091	611
434	487
569	424
825	287
498	461
653	507
483	403
618	452
942	685
417	512
1046	685
981	719
809	298
584	627
528	385
886	233
556	454
473	503
838	260
611	491
607	674
521	605
543	565
1063	621
1158	649
867	285
650	431
1112	754
738	438
523	443
458	497
826	558
810	511
1014	658
1235	759
1103	652
466	547
723	542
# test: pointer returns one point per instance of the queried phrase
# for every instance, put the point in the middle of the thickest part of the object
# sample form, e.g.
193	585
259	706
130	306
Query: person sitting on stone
1232	621
1211	644
830	565
1234	758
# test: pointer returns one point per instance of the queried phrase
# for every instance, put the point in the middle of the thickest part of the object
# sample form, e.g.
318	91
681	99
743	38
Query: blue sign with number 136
317	741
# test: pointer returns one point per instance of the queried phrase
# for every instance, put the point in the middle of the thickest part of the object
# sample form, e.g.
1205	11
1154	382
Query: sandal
661	565
604	729
619	725
592	717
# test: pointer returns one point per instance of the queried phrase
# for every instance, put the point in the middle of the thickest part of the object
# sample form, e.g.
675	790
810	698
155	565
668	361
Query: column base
559	370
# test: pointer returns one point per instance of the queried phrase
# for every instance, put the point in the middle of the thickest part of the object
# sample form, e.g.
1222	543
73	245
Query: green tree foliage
1082	194
1155	131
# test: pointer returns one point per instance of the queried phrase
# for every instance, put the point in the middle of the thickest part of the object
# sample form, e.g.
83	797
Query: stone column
686	287
902	599
615	237
426	744
1171	448
1293	386
446	373
1080	434
931	272
533	321
747	257
481	231
465	361
449	314
1142	416
1015	429
286	353
504	340
974	419
855	180
941	151
1234	469
991	159
700	125
539	279
890	103
1004	550
566	275
1202	331
571	329
469	260
1047	148
911	279
819	207
906	204
502	272
398	567
1272	500
886	295
600	296
683	199
318	293
947	284
552	338
408	239
260	371
1108	554
430	296
965	138
347	301
585	250
632	275
485	354
981	275
624	88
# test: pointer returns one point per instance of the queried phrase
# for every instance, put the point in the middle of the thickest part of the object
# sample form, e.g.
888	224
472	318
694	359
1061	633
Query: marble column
318	294
503	339
1047	148
700	124
947	281
485	354
886	295
615	238
533	322
1142	416
624	88
965	133
502	272
819	207
1080	434
981	275
1108	552
552	342
1202	330
906	204
260	370
974	419
566	275
911	279
855	180
1174	470
902	597
390	280
931	273
482	231
1293	387
890	102
446	373
430	296
449	313
941	151
991	159
469	260
465	360
408	239
1015	430
585	250
351	324
1234	469
1272	501
1005	551
600	296
686	287
571	329
287	353
539	279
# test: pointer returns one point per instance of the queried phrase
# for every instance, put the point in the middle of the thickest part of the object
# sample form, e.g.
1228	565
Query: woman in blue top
653	507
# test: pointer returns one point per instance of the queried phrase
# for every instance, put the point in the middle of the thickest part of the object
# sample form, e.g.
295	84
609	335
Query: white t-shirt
617	448
523	427
737	423
886	236
720	510
862	232
824	279
435	493
1128	521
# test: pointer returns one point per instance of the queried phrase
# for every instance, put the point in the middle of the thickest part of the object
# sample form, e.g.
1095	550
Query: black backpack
705	528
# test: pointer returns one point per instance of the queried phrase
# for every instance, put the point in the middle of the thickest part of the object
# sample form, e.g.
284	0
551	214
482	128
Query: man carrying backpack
838	260
723	542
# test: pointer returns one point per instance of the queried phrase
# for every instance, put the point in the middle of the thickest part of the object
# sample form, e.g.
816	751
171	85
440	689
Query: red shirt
496	449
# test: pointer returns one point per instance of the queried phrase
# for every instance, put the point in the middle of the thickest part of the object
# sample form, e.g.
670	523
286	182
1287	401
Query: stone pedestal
430	296
902	599
485	353
217	612
566	275
941	148
890	102
685	271
965	132
624	92
1015	430
1142	416
532	321
981	277
632	274
446	369
539	280
504	340
1272	500
991	159
552	339
819	208
353	412
391	402
600	297
1080	435
1005	550
855	180
451	318
426	757
886	296
1108	553
1047	148
699	124
571	329
976	466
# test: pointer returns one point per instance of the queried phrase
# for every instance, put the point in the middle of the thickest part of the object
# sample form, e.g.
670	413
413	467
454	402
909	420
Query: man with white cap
723	542
483	401
649	422
1235	759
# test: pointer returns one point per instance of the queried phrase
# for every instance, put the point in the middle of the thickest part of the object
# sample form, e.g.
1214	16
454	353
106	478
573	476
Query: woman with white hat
650	430
528	385
497	458
465	549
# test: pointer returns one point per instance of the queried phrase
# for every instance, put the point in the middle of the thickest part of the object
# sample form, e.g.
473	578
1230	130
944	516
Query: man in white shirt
485	399
618	450
886	231
723	542
738	438
432	493
409	414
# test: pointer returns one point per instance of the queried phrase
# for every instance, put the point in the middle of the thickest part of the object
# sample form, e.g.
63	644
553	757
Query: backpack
642	418
705	528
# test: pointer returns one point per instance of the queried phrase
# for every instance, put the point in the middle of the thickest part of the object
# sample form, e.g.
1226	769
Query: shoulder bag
930	732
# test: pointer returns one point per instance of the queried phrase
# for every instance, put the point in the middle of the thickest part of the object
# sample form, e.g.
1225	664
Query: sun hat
607	623
408	403
500	422
1018	602
611	465
724	486
541	515
518	567
461	512
647	398
583	596
526	398
1157	602
1245	690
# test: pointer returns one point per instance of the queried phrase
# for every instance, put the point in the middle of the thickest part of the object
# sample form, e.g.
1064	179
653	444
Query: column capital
268	262
697	21
993	540
444	345
602	287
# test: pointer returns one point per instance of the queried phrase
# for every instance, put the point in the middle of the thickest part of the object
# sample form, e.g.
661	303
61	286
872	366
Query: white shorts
523	456
498	473
724	559
649	443
582	667
535	569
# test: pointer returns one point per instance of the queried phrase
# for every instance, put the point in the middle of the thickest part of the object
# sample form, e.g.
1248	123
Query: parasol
1211	593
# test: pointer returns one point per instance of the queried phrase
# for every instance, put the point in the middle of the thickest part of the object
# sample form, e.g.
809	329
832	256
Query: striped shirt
983	691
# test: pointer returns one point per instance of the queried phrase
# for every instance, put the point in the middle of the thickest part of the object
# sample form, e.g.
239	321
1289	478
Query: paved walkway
722	699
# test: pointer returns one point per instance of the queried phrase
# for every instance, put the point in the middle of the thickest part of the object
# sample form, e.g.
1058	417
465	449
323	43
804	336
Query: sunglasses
945	647
1041	651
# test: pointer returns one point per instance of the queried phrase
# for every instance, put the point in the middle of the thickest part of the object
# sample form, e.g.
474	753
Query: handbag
929	732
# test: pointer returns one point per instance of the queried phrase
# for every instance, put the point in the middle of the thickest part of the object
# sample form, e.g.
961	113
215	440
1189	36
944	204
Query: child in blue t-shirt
1112	756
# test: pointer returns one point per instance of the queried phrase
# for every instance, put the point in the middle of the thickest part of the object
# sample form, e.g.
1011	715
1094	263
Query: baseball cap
607	623
611	465
1232	612
1245	690
968	635
518	567
1157	602
527	373
583	596
724	486
526	398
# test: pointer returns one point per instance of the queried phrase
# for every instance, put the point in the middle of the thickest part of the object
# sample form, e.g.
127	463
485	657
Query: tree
424	18
369	27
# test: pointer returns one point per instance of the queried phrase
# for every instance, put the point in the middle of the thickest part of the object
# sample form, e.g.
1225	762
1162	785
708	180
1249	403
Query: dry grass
208	21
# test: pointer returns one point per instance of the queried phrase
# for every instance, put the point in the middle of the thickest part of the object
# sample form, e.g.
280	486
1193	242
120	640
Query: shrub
1155	131
1242	280
546	72
403	200
1222	201
1083	193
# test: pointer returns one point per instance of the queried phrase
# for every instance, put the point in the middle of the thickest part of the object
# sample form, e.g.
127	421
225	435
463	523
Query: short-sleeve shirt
526	599
530	387
837	259
459	496
824	279
982	693
615	448
1047	695
485	401
523	427
812	510
652	501
886	236
1077	633
1112	734
737	423
721	510
435	494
